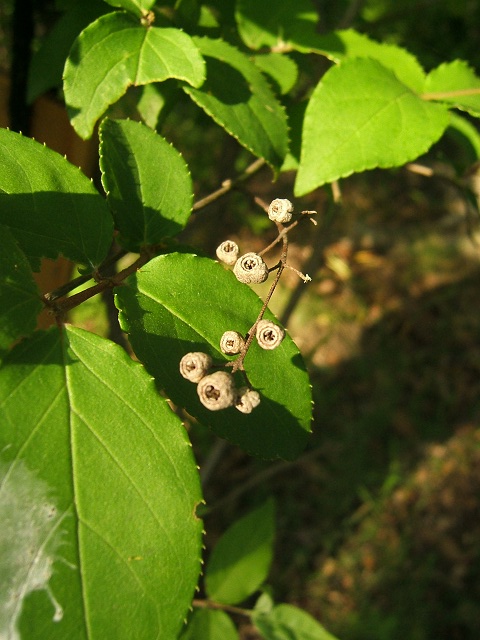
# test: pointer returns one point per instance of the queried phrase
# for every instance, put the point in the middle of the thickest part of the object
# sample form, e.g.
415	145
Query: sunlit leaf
360	117
456	84
98	496
117	51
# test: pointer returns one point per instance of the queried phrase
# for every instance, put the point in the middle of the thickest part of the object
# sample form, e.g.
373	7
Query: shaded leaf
50	206
46	68
210	624
286	622
241	559
359	117
83	426
237	96
156	102
19	296
450	83
138	7
340	45
115	52
259	25
147	182
281	69
467	135
180	303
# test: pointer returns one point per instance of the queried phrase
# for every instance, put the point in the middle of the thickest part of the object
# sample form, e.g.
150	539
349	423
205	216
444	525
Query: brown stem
77	282
62	306
229	184
440	95
237	365
210	604
284	230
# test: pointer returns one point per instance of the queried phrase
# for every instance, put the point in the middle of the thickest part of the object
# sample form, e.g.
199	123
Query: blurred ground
378	531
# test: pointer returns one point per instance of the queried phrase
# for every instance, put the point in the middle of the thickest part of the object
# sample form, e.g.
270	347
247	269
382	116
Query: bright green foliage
47	64
148	184
137	7
286	622
260	24
237	96
117	51
450	80
281	69
19	296
241	559
180	303
208	624
87	423
360	117
49	205
99	536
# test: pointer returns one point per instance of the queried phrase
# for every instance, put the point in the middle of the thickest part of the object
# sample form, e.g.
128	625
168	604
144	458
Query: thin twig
65	289
229	184
210	604
214	456
318	243
440	95
259	478
237	365
60	307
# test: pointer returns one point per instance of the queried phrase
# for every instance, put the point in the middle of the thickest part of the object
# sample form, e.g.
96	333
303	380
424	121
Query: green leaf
100	489
46	68
360	117
340	45
259	25
237	96
148	184
50	206
450	83
286	622
293	26
209	624
281	69
180	303
296	117
115	52
19	296
241	559
138	7
156	102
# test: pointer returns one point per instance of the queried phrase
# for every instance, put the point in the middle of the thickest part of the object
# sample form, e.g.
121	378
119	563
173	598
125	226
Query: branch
229	184
440	95
60	307
210	604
